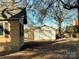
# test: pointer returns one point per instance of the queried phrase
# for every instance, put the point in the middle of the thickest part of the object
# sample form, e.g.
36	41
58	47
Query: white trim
4	30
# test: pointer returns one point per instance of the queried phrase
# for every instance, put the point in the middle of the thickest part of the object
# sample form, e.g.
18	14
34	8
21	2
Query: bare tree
53	9
70	4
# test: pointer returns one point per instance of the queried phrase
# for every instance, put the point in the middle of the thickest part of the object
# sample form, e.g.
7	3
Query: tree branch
66	6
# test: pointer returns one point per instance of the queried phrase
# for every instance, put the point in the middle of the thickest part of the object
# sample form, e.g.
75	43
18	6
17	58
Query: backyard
66	48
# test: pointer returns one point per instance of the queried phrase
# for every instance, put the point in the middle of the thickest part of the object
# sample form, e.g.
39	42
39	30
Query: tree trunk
59	30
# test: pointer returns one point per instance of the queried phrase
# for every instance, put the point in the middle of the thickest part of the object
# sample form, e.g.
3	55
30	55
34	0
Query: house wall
21	33
4	40
44	35
28	33
13	41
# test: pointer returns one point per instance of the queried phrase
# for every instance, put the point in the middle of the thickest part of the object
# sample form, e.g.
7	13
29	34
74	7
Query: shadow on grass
3	53
44	50
48	44
48	47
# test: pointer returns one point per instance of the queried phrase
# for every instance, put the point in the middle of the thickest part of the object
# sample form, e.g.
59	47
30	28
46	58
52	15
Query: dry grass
48	50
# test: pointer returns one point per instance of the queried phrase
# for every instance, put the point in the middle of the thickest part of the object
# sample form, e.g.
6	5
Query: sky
49	22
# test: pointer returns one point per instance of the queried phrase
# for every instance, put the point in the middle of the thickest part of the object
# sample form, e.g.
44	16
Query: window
4	29
1	28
